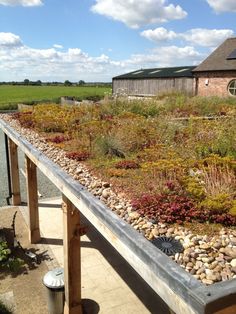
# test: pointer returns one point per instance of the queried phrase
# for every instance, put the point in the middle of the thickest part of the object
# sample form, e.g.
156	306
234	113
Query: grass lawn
27	94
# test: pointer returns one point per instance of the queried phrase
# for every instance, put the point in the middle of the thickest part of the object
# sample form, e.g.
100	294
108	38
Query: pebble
155	232
233	262
217	245
230	252
106	184
162	231
134	215
204	246
233	269
207	281
105	193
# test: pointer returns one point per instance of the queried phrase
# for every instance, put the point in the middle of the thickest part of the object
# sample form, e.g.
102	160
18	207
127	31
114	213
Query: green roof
184	71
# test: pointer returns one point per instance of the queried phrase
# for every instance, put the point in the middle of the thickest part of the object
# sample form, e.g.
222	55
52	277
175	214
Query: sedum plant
4	251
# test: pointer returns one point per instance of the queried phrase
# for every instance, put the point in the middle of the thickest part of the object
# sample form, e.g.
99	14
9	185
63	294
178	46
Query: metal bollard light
54	281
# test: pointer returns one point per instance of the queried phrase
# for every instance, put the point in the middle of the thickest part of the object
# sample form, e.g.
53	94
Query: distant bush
94	97
8	107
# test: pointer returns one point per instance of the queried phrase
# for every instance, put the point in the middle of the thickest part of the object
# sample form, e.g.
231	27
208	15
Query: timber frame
180	290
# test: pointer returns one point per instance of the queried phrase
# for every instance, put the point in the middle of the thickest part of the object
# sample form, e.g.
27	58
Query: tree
26	82
81	82
67	83
38	82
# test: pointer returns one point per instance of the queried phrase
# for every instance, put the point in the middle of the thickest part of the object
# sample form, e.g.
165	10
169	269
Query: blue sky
94	40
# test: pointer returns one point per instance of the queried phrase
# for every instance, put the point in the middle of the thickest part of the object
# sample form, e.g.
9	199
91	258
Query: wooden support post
72	258
32	196
15	178
229	310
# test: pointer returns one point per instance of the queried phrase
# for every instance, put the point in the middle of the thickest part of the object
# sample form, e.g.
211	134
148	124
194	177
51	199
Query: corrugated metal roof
184	71
218	60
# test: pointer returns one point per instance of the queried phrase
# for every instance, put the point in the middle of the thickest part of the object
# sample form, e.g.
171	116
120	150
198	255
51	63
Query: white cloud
19	62
197	36
24	3
167	56
58	46
159	34
139	12
207	37
9	40
223	5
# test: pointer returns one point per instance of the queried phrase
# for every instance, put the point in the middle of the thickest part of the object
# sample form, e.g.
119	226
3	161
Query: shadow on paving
152	302
139	287
90	306
19	252
25	284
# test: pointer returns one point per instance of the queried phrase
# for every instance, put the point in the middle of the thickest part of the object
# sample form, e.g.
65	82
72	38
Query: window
232	55
156	71
138	72
181	70
232	87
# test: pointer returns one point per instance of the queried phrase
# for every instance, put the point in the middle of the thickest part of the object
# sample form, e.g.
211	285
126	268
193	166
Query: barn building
215	76
150	82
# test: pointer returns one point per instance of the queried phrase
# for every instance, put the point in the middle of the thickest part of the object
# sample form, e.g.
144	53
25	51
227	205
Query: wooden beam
228	310
72	258
15	178
32	196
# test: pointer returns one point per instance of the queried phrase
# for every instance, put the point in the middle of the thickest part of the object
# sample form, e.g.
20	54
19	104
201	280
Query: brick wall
214	84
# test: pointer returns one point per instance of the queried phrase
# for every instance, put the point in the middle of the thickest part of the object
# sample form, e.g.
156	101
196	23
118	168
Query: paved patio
109	284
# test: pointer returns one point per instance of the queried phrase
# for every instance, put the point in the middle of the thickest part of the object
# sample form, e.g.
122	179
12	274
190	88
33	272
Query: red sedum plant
163	207
58	139
173	207
127	164
78	156
25	119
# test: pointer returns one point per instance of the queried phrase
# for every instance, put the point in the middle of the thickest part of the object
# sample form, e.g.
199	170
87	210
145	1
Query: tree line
28	82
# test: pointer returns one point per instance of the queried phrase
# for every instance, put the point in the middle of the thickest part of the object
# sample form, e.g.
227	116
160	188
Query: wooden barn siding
153	86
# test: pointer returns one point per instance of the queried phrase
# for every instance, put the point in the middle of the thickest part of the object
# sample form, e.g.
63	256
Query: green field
11	95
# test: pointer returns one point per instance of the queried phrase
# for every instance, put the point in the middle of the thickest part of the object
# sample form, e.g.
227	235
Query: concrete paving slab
108	281
22	286
8	300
